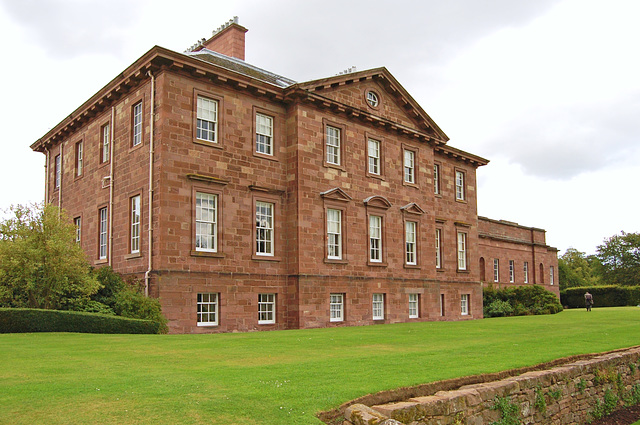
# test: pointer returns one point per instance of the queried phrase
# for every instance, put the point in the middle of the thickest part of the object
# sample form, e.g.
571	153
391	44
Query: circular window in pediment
372	99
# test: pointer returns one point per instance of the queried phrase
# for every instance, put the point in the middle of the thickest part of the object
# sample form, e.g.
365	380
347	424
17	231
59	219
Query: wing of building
245	200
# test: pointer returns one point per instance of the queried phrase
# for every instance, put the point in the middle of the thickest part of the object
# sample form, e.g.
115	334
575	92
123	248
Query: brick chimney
228	39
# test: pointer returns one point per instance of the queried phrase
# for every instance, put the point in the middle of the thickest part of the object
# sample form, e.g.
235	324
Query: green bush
133	304
499	308
603	296
16	320
110	284
523	300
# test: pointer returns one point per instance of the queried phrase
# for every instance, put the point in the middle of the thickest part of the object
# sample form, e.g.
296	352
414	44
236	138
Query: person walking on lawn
588	300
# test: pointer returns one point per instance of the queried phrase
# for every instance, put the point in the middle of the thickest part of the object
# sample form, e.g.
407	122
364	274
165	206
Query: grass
281	377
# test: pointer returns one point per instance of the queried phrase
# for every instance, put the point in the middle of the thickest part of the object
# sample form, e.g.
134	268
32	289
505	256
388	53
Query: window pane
137	124
459	185
266	308
413	306
135	224
102	251
375	238
409	170
374	156
206	222
462	251
378	306
264	134
410	240
334	233
333	145
206	119
336	307
207	312
264	228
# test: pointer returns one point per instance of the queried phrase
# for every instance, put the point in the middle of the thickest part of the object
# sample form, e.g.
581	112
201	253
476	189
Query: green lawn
282	377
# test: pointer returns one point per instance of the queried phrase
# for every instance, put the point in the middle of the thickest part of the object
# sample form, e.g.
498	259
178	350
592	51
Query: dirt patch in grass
336	416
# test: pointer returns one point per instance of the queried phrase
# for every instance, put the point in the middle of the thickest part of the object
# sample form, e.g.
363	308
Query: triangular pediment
395	104
377	202
412	208
336	194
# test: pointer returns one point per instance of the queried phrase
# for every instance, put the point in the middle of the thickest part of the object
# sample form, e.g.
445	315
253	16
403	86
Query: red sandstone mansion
247	201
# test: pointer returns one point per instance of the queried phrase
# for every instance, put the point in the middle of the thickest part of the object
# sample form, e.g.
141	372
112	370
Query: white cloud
547	90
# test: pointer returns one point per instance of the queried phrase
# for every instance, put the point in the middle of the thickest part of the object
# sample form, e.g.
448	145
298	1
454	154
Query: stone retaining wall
568	394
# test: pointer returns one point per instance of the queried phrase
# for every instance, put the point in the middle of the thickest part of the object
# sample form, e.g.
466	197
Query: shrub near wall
18	320
603	296
519	301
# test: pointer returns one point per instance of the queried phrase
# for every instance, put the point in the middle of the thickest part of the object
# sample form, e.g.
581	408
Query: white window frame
79	159
266	309
103	241
206	119
137	124
409	166
438	248
375	238
333	145
372	99
462	251
460	177
207	309
410	237
264	228
551	275
526	271
264	134
206	222
377	306
436	179
334	234
464	304
106	140
414	306
78	223
373	155
58	170
496	270
336	307
136	214
512	271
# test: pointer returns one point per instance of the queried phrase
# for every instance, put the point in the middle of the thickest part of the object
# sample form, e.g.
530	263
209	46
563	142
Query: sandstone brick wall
508	241
565	395
83	196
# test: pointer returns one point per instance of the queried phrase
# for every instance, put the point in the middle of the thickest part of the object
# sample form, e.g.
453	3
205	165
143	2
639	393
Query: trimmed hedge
519	301
19	320
603	296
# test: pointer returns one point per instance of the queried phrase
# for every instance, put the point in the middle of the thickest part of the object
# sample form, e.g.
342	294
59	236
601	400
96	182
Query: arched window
482	271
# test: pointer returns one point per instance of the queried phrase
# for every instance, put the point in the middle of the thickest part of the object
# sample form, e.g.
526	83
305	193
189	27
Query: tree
41	265
620	258
578	269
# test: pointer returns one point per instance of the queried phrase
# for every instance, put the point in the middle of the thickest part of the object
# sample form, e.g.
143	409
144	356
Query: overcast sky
548	90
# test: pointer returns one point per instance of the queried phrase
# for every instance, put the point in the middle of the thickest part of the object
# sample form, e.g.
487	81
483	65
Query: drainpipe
46	176
111	143
147	275
61	175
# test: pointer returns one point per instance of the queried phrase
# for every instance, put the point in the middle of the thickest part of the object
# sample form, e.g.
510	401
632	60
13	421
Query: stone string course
564	395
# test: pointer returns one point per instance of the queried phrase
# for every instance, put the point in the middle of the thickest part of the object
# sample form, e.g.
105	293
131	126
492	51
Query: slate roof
241	67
